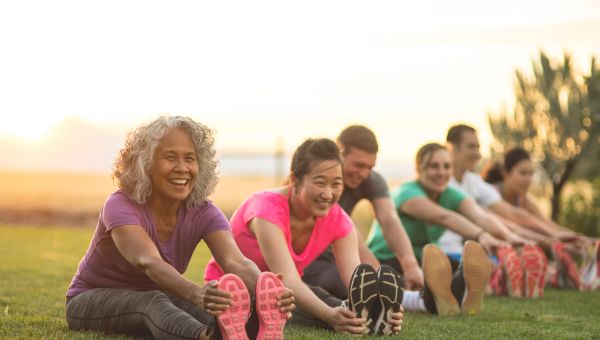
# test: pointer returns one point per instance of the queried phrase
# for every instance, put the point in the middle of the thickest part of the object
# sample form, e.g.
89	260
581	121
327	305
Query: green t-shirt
419	232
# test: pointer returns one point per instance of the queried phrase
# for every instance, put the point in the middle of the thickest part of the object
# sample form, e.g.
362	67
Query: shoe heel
363	293
477	271
232	322
390	298
438	277
271	319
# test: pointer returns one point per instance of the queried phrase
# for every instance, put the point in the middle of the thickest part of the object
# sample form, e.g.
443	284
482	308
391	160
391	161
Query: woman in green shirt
427	207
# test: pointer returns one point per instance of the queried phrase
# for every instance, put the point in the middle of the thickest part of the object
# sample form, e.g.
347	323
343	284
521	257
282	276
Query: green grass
37	264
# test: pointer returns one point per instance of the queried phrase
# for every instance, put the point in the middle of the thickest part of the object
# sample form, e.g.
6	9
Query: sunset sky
259	72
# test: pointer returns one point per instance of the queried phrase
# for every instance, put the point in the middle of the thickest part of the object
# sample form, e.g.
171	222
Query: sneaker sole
533	266
514	274
390	297
438	276
232	322
568	265
362	293
477	270
271	319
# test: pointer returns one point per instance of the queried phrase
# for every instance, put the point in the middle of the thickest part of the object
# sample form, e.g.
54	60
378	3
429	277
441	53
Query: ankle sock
413	302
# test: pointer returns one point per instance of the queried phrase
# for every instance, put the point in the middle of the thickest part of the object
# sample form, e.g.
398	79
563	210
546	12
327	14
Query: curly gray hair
130	170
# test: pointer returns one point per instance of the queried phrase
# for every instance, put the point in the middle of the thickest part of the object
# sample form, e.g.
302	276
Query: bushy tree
556	118
581	210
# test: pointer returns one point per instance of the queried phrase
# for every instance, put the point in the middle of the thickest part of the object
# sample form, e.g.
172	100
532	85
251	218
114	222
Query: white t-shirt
482	192
473	185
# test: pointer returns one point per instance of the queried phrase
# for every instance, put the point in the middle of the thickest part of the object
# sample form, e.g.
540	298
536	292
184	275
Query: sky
268	73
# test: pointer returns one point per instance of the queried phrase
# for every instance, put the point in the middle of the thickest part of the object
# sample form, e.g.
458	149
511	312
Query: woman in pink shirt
285	229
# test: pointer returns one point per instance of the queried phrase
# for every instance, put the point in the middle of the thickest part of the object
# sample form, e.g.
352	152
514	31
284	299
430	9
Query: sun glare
26	128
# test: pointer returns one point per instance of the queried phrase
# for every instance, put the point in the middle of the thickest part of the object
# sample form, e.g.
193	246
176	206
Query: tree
556	118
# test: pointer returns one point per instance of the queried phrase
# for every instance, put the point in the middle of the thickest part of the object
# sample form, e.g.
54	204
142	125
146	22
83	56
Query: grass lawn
37	264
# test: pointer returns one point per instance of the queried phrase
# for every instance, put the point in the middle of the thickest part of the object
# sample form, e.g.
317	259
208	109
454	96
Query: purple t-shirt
104	267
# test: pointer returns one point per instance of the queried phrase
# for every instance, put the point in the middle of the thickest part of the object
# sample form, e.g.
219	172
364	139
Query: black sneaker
390	298
437	272
471	278
363	293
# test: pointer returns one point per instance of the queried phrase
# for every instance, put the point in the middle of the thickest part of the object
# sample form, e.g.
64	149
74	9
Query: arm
134	244
274	249
426	210
520	216
528	234
398	241
229	257
346	256
558	231
490	223
366	256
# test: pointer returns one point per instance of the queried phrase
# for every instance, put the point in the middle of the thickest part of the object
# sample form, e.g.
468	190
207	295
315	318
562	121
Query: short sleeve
120	210
378	188
452	198
487	194
342	222
269	206
211	220
405	192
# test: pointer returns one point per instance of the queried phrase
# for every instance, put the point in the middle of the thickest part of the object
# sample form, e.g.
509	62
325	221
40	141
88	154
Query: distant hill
77	147
72	145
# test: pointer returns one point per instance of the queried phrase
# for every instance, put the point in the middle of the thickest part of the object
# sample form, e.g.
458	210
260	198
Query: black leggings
162	315
113	310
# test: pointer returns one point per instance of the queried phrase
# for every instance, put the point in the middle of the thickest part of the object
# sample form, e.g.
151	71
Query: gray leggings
161	315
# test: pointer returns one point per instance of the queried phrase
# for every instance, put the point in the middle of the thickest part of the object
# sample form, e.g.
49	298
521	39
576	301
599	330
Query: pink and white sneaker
513	271
534	271
498	282
590	273
233	321
271	319
542	282
568	275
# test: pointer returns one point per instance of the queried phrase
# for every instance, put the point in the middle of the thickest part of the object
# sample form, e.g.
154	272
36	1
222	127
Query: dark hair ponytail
492	173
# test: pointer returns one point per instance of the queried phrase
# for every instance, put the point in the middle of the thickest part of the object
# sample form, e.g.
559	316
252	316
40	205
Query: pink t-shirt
103	266
273	207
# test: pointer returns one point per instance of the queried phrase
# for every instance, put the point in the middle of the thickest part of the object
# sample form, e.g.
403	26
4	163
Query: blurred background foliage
556	117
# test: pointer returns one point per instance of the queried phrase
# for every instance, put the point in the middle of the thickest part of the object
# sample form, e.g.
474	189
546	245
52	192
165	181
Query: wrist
478	235
409	263
328	315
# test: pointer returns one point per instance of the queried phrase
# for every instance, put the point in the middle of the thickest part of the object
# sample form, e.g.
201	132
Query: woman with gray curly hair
130	280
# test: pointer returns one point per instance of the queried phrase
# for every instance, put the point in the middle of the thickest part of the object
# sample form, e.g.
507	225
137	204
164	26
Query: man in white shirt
463	145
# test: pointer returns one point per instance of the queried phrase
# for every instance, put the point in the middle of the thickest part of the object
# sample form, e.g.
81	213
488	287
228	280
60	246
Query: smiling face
174	167
435	173
520	176
467	152
320	188
357	166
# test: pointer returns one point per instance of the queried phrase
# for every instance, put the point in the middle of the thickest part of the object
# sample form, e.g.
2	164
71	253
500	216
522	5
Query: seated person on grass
513	179
521	270
286	228
358	146
427	207
130	280
463	145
